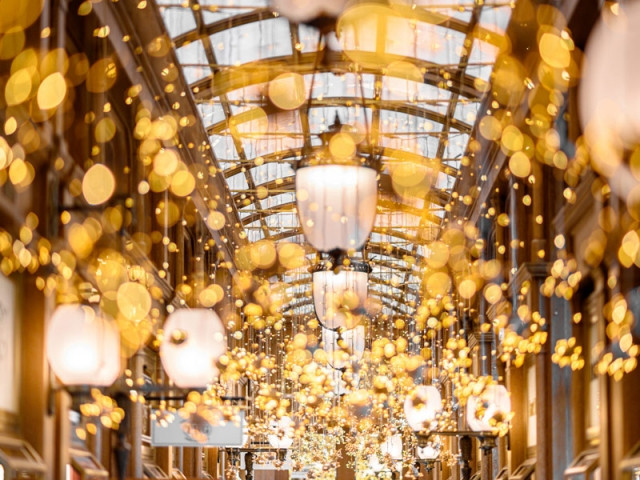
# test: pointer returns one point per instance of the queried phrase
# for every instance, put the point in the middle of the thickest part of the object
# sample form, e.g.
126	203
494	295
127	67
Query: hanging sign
187	433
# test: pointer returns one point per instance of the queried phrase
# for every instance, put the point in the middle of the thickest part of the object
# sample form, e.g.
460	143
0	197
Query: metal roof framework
230	49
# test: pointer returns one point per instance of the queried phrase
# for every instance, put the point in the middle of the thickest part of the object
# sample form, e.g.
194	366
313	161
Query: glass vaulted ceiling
230	49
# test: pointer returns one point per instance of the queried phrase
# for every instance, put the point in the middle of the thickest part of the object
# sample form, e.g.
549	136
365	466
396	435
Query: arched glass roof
230	49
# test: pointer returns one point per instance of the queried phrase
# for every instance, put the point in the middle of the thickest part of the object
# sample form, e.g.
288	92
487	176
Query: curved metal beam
389	153
397	106
230	78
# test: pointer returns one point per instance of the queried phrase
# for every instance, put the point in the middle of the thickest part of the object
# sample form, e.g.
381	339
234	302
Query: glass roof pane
422	94
282	221
328	85
398	219
308	38
437	44
466	112
495	19
194	61
268	172
237	182
178	20
320	118
483	56
254	231
276	200
456	145
254	41
211	113
223	147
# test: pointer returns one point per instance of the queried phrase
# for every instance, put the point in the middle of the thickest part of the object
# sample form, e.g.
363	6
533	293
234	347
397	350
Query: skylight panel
269	172
253	41
178	20
223	147
308	38
277	200
237	182
193	59
456	145
211	113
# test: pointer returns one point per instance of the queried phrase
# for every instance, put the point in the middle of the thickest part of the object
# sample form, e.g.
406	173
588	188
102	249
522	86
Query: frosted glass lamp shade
609	94
339	298
83	347
336	205
353	342
301	11
393	447
374	463
428	452
491	408
283	431
193	341
422	406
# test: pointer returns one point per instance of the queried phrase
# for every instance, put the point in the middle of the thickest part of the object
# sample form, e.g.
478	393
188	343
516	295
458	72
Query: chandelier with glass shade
336	194
339	295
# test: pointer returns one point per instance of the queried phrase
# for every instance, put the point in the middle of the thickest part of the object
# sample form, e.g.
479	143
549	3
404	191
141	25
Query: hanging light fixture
337	192
336	205
343	347
339	295
283	432
193	341
374	464
489	411
83	346
392	446
422	407
431	451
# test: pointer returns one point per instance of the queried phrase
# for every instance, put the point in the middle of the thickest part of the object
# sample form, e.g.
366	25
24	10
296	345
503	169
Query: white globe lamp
83	346
339	297
422	406
193	341
283	431
392	446
352	341
487	411
336	205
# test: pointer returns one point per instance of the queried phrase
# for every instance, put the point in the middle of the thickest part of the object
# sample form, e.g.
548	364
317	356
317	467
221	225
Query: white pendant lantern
422	406
283	431
375	464
490	410
393	447
609	95
430	451
301	11
336	205
83	347
339	298
193	341
352	340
